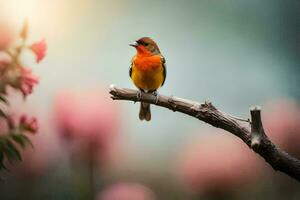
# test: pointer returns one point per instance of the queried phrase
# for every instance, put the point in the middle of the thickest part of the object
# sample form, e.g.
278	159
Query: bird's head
146	46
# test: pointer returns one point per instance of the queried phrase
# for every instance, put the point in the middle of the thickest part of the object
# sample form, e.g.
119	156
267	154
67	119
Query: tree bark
250	132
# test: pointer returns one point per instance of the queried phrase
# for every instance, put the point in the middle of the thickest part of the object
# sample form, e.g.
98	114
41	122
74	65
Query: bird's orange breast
147	72
147	63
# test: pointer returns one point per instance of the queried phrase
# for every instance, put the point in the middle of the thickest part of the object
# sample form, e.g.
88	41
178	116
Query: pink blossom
27	81
281	120
126	191
39	49
218	163
88	118
28	124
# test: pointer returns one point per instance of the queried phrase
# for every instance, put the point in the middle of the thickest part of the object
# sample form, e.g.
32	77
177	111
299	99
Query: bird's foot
155	93
139	95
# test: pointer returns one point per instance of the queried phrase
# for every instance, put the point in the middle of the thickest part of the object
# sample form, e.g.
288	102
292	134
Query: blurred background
233	53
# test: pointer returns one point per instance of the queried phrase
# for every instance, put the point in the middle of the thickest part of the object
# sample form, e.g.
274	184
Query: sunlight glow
45	16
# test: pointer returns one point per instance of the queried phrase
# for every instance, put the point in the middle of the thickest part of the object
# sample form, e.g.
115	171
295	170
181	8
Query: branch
255	138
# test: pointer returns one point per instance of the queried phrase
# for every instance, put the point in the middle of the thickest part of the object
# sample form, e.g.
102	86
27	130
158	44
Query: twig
255	138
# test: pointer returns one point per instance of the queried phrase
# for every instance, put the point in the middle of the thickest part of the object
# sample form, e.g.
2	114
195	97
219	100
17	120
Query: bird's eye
146	44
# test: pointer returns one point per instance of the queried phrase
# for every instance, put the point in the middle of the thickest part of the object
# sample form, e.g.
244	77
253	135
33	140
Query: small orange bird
147	71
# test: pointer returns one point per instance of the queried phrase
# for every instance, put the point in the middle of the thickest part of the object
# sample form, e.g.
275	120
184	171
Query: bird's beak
135	44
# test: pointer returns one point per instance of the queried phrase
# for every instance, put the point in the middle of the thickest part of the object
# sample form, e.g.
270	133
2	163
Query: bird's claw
156	96
139	95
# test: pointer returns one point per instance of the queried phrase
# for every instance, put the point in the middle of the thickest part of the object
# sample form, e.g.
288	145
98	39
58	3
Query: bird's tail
145	113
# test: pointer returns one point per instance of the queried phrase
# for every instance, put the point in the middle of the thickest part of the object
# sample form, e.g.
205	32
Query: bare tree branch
254	137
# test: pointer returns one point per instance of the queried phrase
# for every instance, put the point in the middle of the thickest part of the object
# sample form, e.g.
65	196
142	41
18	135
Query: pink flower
39	49
218	163
87	118
281	120
28	124
23	122
27	81
126	191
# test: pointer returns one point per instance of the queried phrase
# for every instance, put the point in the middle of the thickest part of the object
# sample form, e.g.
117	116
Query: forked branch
254	137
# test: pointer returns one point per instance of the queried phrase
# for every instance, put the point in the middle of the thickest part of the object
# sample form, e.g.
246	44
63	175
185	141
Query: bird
147	71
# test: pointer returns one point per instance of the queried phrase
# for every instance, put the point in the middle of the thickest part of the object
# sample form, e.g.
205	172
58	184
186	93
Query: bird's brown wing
163	60
130	69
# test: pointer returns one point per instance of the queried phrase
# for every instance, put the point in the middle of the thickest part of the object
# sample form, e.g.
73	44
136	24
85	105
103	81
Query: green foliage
12	140
3	99
2	114
10	146
21	139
